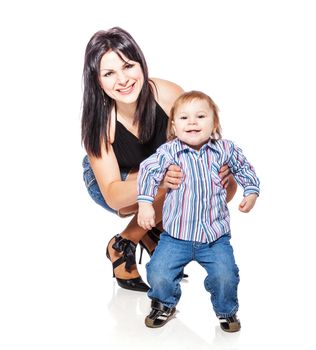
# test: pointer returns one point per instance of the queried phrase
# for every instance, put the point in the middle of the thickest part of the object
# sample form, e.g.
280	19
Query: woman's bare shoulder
166	93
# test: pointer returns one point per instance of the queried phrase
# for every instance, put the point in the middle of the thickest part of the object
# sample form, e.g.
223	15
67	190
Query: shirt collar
183	147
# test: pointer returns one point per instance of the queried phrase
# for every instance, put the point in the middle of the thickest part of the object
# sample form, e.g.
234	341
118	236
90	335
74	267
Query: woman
124	120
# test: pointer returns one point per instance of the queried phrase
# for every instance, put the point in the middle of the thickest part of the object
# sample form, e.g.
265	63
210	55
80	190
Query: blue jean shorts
93	187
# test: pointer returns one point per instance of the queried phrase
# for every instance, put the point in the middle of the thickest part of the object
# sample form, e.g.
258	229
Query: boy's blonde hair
188	97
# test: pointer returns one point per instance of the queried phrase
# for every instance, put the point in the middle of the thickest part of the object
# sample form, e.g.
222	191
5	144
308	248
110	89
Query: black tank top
127	148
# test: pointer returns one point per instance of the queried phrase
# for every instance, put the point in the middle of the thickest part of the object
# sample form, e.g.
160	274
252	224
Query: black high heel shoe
128	250
154	235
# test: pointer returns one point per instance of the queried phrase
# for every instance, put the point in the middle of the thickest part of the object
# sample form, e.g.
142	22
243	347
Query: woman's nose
122	78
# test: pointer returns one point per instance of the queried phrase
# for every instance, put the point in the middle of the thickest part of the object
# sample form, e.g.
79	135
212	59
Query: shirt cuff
144	198
251	190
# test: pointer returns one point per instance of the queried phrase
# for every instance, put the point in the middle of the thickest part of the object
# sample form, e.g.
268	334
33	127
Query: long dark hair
97	106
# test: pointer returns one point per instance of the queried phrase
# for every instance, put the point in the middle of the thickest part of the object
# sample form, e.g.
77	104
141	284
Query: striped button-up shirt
197	210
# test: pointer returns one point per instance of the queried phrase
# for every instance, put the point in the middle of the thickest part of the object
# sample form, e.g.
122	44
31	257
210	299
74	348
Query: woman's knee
93	187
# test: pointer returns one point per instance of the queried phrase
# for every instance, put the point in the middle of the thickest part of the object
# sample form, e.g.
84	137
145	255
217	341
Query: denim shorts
93	187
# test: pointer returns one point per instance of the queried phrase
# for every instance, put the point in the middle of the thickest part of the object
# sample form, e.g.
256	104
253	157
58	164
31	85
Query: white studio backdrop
255	58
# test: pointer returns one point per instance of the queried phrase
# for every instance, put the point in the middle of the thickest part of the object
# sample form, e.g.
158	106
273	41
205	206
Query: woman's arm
231	188
118	194
228	182
121	194
166	93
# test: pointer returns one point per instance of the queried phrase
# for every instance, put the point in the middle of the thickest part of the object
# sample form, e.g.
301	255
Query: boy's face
194	123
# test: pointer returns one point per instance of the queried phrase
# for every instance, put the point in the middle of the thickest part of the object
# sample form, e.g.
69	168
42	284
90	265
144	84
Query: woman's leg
132	232
135	233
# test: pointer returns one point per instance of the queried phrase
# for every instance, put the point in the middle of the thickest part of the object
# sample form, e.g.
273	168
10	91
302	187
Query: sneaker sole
233	327
150	322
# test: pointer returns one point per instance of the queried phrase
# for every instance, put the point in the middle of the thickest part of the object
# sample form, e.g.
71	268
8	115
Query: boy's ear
215	129
173	127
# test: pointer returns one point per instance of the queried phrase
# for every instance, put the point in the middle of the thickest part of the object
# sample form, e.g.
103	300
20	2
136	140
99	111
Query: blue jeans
164	271
93	187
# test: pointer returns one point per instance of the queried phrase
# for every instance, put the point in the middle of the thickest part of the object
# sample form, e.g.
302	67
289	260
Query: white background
257	60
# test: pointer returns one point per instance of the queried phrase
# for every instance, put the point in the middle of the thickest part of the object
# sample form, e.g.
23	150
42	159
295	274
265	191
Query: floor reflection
128	310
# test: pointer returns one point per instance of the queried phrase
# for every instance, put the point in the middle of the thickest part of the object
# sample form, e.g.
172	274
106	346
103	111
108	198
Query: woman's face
122	80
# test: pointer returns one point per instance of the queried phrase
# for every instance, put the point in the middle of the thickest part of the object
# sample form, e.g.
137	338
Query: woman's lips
127	90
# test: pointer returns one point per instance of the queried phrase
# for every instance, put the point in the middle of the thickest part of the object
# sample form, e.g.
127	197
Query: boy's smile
194	123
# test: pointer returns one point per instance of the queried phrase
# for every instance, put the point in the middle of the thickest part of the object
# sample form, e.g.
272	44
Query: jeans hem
170	306
228	314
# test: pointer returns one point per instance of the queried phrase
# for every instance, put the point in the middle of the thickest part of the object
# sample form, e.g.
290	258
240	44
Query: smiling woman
121	79
124	120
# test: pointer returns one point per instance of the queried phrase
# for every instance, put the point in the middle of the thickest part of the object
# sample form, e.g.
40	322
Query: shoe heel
108	256
120	245
141	255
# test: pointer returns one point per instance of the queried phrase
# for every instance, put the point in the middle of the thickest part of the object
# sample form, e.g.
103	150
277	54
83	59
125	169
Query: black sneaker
230	324
159	315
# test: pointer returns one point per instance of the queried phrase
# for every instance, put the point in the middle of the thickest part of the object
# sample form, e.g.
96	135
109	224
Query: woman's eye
128	66
108	74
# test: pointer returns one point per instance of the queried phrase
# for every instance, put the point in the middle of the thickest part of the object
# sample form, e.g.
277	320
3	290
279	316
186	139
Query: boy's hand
146	215
248	203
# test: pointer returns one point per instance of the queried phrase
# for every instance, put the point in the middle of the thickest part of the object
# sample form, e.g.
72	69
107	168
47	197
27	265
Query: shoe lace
127	248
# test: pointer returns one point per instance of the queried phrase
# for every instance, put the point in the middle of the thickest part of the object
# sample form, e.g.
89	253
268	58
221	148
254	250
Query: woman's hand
224	174
228	182
173	178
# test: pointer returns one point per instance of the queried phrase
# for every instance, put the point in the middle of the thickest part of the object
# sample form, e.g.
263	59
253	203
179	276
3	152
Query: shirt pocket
216	180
